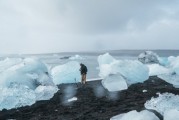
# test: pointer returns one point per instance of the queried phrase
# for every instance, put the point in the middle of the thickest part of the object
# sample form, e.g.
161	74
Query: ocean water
90	58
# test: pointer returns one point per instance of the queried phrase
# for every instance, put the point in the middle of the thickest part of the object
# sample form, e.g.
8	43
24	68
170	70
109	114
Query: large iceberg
22	84
66	73
118	74
134	115
163	103
148	57
30	72
132	70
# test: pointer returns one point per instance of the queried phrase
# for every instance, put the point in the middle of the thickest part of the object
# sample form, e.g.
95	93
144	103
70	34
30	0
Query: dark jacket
83	69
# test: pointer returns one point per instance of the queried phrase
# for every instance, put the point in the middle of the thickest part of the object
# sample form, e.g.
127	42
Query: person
83	71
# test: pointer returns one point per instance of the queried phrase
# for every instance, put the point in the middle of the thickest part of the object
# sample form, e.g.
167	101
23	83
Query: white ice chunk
148	57
72	99
144	91
134	115
16	96
132	70
45	92
31	72
172	76
114	83
172	114
156	69
19	82
66	73
163	103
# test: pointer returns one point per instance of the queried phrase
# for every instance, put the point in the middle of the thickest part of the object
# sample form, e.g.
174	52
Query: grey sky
41	26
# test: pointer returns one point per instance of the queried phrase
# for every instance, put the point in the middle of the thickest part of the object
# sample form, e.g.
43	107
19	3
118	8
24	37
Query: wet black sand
94	102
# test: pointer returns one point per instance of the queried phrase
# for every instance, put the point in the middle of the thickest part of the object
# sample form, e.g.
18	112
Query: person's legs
83	78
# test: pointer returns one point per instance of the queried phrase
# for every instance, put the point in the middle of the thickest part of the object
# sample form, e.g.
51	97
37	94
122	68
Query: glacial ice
163	103
166	68
66	73
25	83
30	72
148	57
172	114
16	96
131	70
114	83
134	115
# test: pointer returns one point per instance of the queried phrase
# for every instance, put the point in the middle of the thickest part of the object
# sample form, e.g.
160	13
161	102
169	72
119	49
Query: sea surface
90	58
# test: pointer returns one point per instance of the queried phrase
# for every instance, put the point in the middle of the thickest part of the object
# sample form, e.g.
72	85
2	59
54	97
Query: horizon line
89	51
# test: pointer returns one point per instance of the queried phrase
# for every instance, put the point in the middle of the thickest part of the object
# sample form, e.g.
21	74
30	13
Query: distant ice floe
121	71
76	57
66	73
163	103
25	82
134	115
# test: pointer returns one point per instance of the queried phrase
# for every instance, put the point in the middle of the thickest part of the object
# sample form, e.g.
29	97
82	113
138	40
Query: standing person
83	71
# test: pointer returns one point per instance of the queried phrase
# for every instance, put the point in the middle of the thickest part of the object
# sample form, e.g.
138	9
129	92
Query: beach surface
91	102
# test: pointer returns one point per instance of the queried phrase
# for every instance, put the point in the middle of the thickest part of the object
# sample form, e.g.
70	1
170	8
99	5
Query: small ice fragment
144	91
72	99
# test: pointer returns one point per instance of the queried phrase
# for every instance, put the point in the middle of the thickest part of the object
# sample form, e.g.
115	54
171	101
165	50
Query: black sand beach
93	103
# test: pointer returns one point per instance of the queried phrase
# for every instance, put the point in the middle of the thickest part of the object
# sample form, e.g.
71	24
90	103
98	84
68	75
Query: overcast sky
45	26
